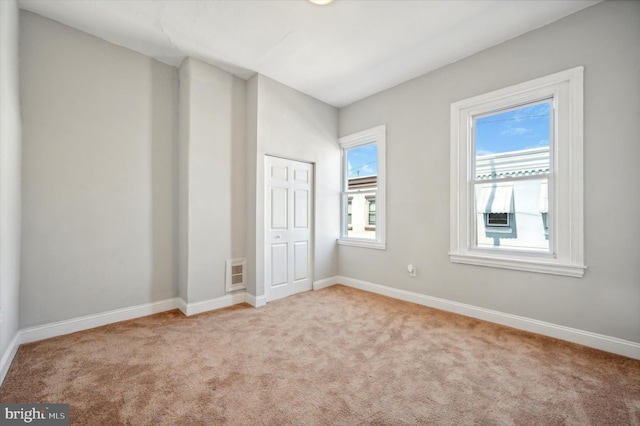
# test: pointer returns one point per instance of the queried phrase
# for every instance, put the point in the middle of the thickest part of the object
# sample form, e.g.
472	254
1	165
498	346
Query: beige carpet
338	356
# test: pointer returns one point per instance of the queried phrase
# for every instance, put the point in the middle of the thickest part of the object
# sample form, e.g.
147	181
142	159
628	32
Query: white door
288	222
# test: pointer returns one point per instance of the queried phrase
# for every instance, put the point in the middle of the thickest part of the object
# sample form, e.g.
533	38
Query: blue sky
514	130
363	160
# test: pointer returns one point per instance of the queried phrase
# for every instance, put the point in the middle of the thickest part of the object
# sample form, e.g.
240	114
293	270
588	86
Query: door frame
312	217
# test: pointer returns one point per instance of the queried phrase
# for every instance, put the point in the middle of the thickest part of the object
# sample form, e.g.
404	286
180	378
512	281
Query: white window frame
566	205
375	135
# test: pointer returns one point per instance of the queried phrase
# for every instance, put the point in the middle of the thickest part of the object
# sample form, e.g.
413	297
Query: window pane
362	161
360	225
362	183
513	143
512	215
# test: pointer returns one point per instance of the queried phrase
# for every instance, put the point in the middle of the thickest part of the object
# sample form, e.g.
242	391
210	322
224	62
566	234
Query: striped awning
496	198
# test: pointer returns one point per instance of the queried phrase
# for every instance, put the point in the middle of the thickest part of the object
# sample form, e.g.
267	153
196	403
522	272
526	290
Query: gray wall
605	39
292	125
211	183
10	153
99	175
251	157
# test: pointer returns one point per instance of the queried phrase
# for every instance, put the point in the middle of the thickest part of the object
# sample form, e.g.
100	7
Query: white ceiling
338	53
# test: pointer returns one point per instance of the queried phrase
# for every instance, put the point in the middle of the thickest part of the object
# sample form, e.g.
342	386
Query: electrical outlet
412	270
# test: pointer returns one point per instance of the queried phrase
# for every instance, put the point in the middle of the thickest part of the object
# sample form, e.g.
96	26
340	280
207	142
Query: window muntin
363	180
559	248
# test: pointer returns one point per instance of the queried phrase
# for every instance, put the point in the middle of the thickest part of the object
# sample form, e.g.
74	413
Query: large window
516	177
363	188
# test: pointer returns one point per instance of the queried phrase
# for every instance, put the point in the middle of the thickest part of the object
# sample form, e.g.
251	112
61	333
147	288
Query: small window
371	220
363	188
497	219
516	177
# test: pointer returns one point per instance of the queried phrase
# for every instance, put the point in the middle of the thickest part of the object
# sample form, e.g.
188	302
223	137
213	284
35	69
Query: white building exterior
512	212
361	208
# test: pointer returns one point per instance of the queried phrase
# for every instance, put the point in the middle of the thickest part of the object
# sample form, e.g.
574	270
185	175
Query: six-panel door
288	201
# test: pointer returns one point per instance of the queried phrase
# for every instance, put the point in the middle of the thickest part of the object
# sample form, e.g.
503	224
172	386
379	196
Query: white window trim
374	135
566	205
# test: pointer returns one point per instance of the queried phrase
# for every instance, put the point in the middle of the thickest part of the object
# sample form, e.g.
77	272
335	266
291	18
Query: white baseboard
254	301
32	334
211	304
181	305
59	328
586	338
326	282
7	356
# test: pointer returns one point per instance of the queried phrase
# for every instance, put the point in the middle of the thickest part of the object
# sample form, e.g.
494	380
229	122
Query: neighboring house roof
363	182
525	162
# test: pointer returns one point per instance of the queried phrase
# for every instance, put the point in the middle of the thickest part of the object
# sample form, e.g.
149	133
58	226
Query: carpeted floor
338	356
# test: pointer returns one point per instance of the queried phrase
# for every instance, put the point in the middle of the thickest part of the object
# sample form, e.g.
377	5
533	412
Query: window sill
543	267
362	243
498	230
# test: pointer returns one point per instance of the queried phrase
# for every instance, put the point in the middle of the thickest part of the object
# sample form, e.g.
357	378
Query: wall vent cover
235	274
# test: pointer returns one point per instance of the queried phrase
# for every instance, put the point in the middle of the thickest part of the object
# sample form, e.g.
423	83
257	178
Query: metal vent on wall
235	274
